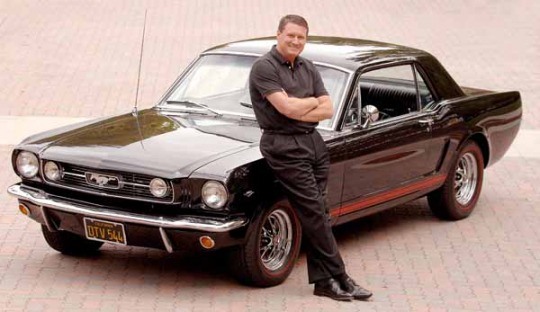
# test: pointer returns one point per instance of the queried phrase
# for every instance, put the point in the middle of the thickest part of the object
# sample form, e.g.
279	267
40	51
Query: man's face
291	41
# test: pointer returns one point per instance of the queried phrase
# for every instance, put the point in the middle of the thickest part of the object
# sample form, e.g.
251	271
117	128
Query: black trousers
301	164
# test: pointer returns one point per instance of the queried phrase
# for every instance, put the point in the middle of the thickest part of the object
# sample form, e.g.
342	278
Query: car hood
150	142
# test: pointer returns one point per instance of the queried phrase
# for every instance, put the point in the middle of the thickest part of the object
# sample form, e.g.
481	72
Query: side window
426	97
391	89
394	91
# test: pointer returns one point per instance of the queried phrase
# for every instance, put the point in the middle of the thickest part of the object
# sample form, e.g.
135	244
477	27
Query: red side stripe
389	195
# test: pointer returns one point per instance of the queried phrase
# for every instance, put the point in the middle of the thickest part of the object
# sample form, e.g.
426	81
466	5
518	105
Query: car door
387	157
338	155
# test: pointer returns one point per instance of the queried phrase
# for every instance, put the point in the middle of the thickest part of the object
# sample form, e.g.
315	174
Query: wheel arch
444	201
481	140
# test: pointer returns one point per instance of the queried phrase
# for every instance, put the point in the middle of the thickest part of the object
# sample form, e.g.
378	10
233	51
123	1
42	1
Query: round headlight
214	194
159	188
27	164
52	171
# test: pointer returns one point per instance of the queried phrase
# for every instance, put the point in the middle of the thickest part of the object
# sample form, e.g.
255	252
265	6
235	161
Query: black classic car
187	174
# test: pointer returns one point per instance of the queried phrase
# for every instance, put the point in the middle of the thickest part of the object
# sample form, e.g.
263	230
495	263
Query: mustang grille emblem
102	180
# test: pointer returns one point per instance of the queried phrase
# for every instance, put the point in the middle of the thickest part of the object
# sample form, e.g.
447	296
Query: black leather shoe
330	288
350	286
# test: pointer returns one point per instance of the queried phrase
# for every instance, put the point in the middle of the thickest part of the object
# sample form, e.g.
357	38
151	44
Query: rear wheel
271	249
69	243
457	198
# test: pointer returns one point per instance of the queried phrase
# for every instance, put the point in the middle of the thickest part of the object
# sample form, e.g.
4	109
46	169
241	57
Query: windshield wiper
245	104
185	102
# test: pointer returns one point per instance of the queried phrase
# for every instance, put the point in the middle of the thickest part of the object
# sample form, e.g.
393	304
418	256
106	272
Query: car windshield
219	83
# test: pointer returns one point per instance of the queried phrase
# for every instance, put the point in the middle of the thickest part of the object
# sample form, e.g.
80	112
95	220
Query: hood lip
220	156
180	172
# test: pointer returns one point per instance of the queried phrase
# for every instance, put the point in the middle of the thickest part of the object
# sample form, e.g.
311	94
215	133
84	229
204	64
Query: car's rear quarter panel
491	119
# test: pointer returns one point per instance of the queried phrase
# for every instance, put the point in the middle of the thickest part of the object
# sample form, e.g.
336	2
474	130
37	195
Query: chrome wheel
276	239
271	248
466	178
457	197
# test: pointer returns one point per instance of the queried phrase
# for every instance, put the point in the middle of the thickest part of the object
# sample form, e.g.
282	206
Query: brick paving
79	59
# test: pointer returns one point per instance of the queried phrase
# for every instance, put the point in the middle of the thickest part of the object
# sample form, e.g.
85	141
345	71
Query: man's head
291	36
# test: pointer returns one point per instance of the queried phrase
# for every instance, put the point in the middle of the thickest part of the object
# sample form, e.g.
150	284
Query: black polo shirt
272	73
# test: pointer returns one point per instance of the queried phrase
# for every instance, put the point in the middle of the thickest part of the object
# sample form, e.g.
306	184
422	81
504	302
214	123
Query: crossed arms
309	109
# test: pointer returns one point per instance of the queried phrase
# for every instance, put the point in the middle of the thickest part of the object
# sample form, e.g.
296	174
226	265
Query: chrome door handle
426	122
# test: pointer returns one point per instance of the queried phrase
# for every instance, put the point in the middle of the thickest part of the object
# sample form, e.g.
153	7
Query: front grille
129	185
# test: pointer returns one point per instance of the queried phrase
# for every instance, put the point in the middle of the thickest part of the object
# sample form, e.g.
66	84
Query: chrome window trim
387	122
398	119
427	80
230	53
334	125
175	82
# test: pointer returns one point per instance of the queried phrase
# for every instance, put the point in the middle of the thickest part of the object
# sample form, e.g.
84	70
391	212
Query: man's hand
292	107
323	111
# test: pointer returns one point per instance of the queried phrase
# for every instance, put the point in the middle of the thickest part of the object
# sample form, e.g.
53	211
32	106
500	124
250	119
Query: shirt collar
274	52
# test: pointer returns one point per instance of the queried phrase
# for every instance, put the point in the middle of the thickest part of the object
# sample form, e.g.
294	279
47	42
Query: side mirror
371	114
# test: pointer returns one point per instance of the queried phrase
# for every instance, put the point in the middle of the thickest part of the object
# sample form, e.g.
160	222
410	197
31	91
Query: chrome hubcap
276	240
466	179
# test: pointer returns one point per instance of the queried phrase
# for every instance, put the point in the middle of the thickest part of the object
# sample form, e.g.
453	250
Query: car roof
347	53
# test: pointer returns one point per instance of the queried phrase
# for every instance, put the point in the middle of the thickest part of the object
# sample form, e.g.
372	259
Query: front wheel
271	249
69	243
457	198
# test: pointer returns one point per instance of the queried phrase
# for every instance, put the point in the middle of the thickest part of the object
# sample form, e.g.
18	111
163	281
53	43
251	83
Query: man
289	99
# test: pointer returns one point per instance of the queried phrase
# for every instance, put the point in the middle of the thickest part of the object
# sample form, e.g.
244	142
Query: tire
458	196
259	262
69	243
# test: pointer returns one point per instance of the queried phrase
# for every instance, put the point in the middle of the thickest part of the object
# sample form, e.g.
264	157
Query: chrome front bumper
45	202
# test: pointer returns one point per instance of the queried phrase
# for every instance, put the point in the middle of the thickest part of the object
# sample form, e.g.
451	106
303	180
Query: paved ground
64	60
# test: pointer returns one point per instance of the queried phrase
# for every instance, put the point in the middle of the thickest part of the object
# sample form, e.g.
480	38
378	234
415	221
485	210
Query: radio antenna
134	112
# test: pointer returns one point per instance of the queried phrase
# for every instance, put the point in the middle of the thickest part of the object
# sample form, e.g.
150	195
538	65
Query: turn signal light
207	242
24	210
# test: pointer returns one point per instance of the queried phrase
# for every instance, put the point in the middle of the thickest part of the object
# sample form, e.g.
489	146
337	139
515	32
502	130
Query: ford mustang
187	173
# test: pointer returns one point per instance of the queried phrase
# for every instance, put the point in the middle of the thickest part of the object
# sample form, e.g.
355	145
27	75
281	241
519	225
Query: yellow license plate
105	231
